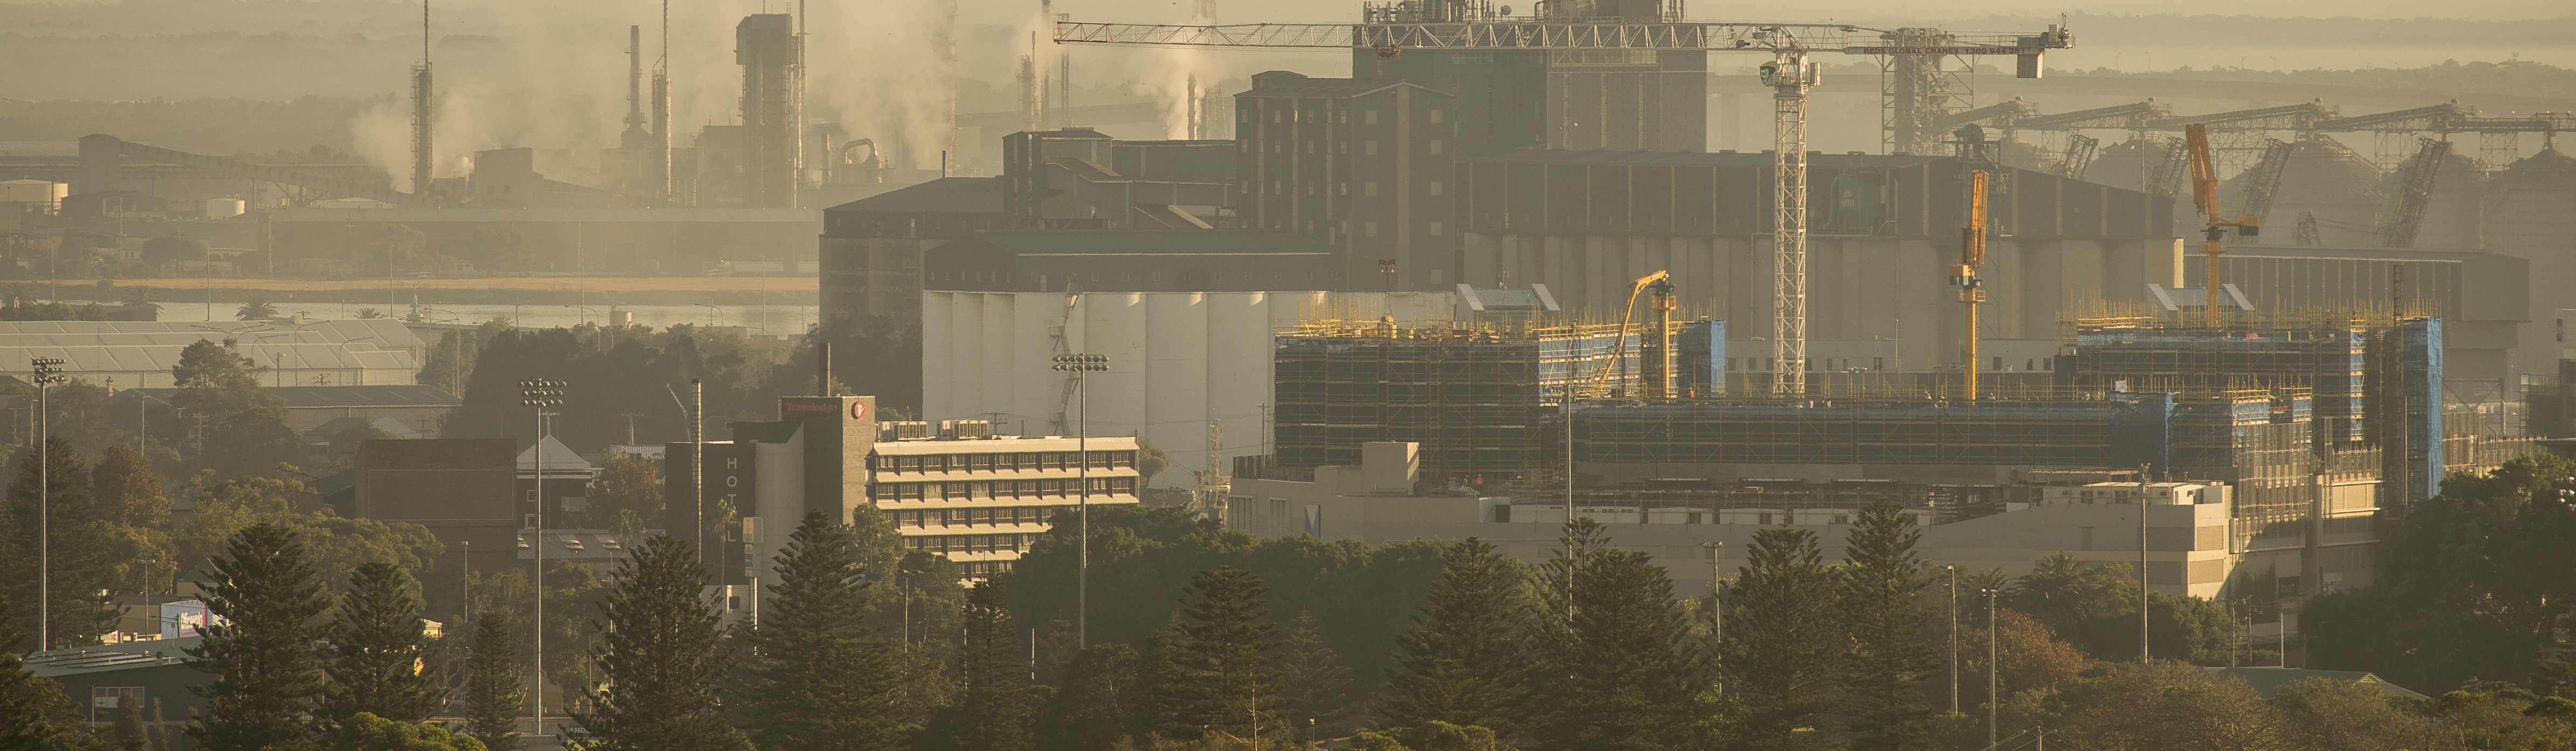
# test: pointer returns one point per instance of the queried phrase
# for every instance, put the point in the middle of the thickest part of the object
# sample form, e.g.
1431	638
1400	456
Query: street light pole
48	371
1082	366
540	393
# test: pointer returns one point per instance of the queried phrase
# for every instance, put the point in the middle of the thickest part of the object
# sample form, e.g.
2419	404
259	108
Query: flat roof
946	195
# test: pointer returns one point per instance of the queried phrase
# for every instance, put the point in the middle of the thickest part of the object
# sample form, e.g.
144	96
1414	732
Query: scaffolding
1477	399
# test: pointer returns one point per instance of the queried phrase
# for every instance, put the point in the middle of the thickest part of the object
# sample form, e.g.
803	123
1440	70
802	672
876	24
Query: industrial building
1883	231
1366	165
1232	260
1179	362
872	248
960	490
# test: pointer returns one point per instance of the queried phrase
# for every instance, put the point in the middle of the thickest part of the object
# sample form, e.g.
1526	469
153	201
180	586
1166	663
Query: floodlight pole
1081	366
540	393
48	371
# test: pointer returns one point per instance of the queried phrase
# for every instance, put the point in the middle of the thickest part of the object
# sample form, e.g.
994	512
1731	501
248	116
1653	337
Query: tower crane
2204	196
1389	32
1658	345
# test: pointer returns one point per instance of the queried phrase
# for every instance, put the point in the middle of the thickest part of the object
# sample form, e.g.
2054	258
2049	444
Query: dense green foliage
87	550
2476	583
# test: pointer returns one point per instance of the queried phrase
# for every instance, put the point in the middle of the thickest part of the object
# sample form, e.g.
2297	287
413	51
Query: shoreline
548	290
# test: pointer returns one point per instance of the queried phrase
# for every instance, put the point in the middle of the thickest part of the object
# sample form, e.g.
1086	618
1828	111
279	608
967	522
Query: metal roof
337	397
1226	242
111	347
1815	159
62	662
434	216
947	195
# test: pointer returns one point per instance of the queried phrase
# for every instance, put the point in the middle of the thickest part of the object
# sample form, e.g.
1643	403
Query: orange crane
1659	348
2204	196
1972	254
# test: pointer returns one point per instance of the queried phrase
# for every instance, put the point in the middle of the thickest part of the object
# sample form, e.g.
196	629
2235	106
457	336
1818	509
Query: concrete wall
1177	360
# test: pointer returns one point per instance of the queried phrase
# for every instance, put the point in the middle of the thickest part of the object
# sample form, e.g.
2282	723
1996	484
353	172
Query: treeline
1202	638
639	378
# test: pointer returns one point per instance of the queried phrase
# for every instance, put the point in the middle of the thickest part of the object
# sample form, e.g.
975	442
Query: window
1274	187
1368	188
1435	229
1346	189
1368	229
1274	148
1243	116
1346	117
1435	187
1435	146
1368	117
1278	116
1310	147
1346	147
1370	148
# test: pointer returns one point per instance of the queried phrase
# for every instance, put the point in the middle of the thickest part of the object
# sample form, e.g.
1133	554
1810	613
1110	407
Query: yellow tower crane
2204	196
1972	254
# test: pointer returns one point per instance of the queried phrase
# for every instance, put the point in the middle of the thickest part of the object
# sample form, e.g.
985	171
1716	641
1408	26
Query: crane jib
1942	50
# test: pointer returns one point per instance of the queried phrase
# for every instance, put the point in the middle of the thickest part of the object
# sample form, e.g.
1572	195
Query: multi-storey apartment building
982	500
952	488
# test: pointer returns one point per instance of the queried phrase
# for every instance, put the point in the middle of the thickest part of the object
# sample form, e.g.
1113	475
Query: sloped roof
2270	681
559	458
947	195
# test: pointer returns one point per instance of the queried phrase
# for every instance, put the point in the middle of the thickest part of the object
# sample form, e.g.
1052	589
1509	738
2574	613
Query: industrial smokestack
420	151
823	368
657	167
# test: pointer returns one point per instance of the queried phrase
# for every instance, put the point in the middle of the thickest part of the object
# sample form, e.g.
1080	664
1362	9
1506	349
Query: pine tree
1465	658
83	555
1888	659
1619	670
822	683
659	658
1781	652
992	708
379	649
261	653
1311	677
1221	679
22	702
495	683
1092	705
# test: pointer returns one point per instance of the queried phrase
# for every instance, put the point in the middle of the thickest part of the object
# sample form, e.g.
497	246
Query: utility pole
540	393
1994	669
1716	590
1082	366
465	608
2142	566
48	371
630	425
1953	571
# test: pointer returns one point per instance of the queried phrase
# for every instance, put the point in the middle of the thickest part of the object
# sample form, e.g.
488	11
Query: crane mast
1790	74
1972	254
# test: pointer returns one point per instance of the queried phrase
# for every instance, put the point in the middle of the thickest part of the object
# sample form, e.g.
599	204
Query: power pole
2142	566
1953	571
